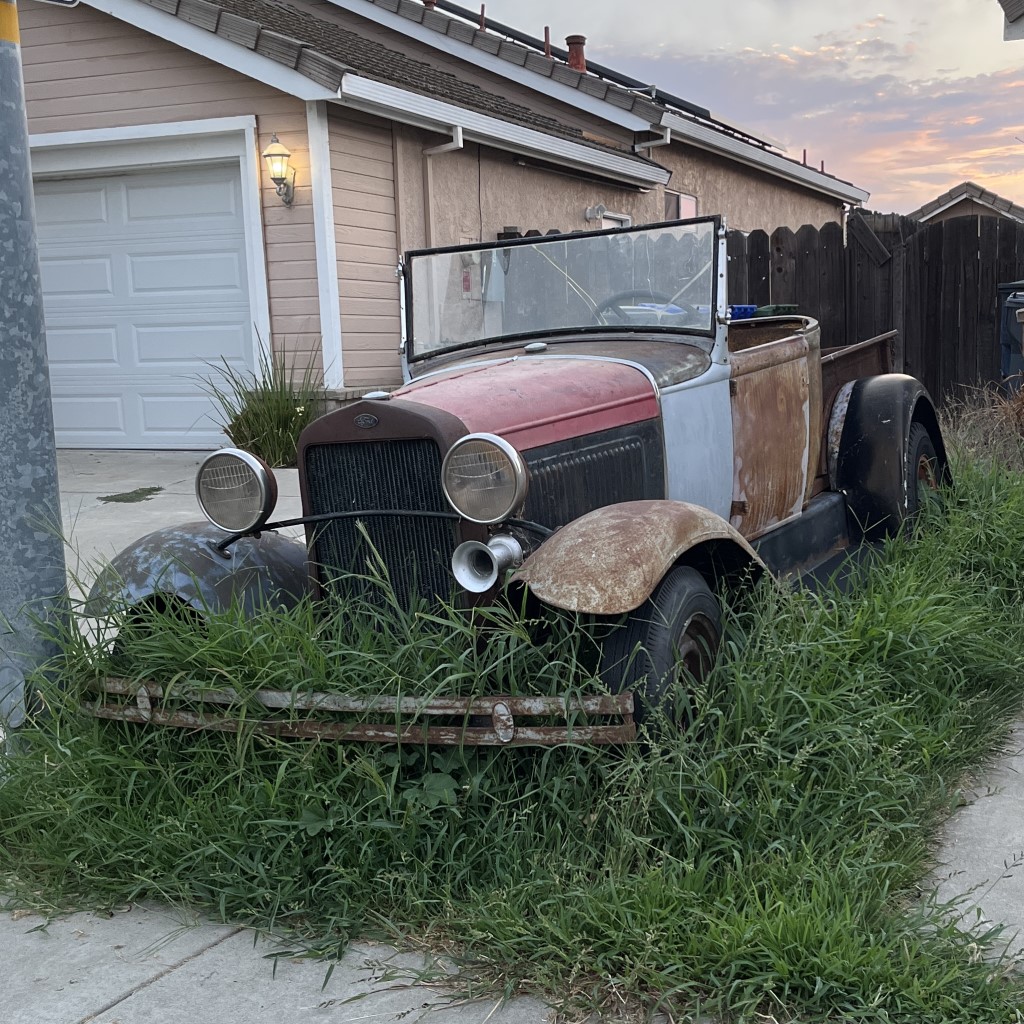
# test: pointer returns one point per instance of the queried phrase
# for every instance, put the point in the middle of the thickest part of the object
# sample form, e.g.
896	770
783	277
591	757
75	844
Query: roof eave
424	112
753	156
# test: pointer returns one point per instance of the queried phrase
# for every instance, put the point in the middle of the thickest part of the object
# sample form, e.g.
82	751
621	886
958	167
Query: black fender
872	418
181	562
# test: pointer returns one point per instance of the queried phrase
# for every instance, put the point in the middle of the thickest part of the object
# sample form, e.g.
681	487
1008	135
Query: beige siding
365	224
86	70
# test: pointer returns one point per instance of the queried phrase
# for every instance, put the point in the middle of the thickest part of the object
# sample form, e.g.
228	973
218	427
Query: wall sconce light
592	213
281	174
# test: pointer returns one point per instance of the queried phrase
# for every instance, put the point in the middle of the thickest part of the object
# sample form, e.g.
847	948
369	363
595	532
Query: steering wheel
614	304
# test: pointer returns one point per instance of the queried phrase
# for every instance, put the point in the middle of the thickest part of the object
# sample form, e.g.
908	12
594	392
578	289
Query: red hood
537	400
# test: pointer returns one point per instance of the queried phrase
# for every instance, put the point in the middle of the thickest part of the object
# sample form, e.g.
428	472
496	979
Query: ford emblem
366	420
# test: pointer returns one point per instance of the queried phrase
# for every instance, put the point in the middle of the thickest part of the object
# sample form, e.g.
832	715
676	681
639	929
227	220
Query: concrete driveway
109	499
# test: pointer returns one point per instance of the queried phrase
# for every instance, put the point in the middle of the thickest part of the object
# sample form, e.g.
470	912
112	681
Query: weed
131	497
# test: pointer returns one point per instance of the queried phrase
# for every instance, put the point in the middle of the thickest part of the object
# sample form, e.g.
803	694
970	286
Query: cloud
851	102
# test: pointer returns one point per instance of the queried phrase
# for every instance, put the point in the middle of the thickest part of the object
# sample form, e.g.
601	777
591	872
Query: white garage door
144	285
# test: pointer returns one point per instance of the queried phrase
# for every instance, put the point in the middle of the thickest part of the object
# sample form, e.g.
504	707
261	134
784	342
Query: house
967	199
1013	22
166	248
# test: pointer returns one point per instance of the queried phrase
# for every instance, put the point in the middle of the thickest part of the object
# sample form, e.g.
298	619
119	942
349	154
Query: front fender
181	562
610	560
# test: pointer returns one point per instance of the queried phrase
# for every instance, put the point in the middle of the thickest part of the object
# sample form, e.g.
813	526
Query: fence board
736	248
967	339
783	264
932	280
914	306
759	269
807	278
949	326
986	357
831	311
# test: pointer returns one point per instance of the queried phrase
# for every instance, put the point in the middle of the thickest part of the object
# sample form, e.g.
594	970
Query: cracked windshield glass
653	278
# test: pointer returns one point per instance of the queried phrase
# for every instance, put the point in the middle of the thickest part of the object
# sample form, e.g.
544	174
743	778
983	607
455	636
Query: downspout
428	181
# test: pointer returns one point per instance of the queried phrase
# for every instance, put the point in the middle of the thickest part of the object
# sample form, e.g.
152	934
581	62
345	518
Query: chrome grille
399	475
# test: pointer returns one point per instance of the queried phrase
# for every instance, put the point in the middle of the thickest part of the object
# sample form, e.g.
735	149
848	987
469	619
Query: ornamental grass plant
767	863
264	412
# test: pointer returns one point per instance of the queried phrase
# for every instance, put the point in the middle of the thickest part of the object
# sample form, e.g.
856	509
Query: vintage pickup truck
583	418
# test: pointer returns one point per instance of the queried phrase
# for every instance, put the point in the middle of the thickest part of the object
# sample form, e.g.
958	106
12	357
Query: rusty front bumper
507	721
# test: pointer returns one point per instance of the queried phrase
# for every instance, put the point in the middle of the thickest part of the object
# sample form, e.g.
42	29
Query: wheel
614	304
922	472
671	640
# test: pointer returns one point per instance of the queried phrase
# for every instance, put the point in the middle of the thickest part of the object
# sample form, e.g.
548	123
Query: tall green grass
767	864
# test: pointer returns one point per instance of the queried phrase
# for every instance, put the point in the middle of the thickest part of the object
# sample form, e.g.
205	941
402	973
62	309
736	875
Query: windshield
659	278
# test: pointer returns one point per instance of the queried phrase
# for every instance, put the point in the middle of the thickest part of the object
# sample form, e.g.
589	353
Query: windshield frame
410	355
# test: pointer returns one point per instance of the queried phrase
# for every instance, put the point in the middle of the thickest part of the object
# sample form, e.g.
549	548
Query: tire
923	472
671	640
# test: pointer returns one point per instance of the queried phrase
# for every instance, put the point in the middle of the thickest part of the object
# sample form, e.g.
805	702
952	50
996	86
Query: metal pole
33	582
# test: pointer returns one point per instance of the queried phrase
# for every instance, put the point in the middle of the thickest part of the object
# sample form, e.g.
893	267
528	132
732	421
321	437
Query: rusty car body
584	418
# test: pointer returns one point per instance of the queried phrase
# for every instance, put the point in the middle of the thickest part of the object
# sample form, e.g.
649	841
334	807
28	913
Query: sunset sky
903	99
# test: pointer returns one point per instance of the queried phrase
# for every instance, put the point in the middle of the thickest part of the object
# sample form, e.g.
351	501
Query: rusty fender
610	560
869	426
180	562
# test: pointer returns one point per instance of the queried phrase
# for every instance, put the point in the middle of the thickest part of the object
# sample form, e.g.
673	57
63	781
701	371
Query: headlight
484	478
236	490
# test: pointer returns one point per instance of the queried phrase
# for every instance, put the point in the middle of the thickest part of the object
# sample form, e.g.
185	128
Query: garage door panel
145	293
76	278
212	204
85	416
71	348
167	347
73	207
162	415
192	273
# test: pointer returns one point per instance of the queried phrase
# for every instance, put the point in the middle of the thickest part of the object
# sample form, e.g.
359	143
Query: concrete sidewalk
151	965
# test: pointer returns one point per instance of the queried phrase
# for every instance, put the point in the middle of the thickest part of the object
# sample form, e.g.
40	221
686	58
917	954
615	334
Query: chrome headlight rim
267	488
516	460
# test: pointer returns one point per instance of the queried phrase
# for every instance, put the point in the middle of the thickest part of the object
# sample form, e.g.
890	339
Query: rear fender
181	562
868	432
610	560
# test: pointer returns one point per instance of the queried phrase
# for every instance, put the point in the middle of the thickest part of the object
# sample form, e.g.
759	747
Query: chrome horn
476	566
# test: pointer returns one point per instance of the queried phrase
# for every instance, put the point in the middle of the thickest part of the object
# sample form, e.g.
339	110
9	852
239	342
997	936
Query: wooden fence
935	284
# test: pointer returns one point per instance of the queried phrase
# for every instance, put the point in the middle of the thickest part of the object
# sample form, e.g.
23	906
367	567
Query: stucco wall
747	198
478	191
84	70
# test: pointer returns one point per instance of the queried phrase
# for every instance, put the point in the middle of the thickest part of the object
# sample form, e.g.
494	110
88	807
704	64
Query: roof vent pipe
577	59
